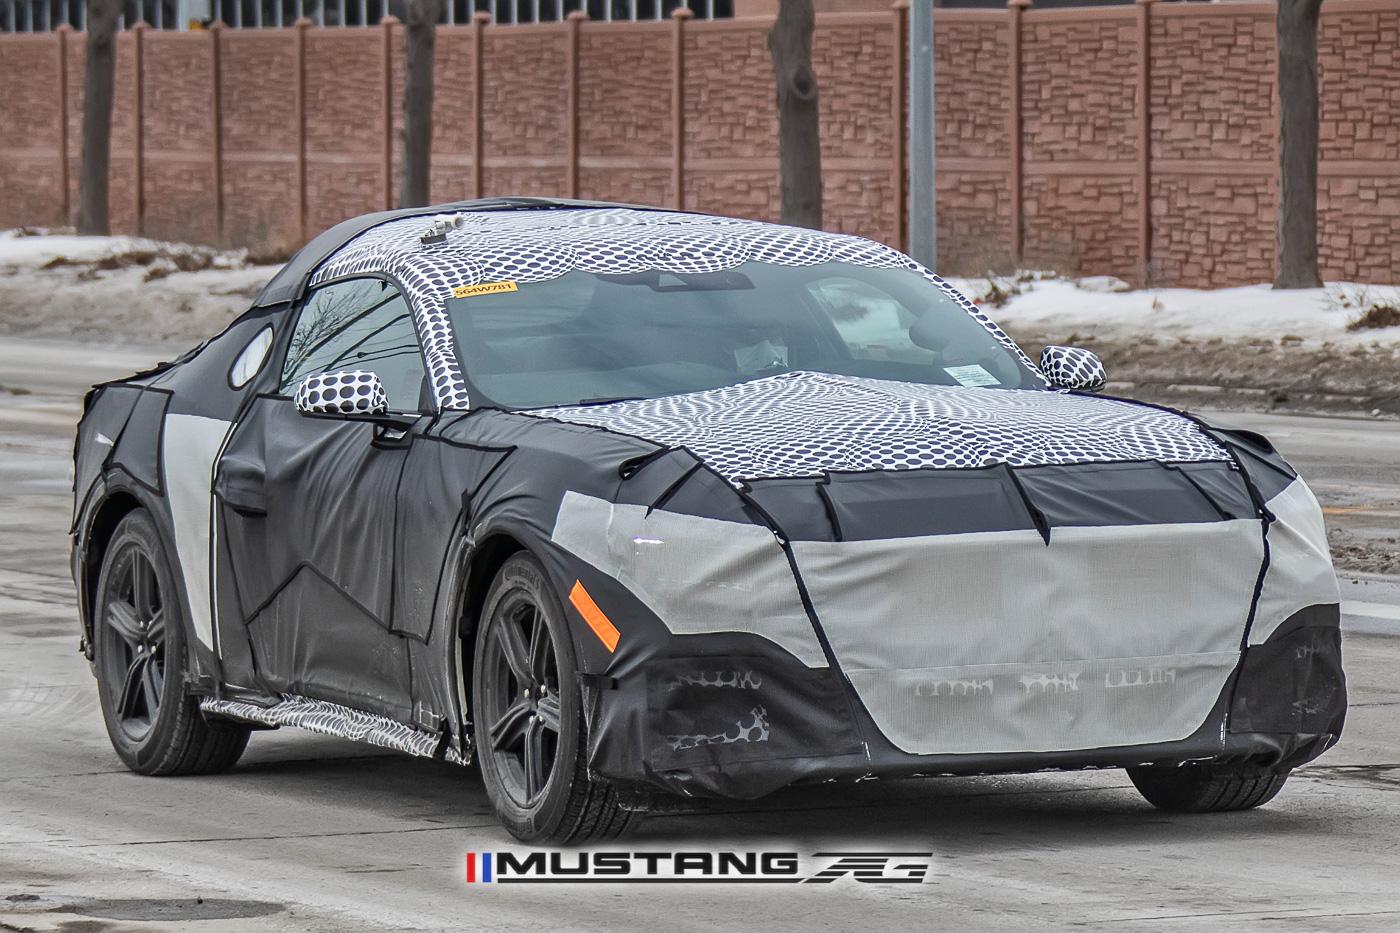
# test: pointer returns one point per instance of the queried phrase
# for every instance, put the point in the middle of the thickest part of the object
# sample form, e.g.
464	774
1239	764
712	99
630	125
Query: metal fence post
216	120
139	118
898	161
923	209
1016	9
386	26
479	21
1144	107
64	199
574	21
299	39
679	16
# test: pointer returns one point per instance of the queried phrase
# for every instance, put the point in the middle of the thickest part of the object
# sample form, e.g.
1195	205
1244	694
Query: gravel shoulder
1241	373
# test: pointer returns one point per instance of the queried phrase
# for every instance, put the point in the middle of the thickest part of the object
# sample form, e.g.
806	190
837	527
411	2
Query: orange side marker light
600	624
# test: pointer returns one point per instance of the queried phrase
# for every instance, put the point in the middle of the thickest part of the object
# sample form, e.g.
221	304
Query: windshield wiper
608	401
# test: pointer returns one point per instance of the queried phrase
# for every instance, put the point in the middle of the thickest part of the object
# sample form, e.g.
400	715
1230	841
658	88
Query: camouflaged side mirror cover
351	392
1073	368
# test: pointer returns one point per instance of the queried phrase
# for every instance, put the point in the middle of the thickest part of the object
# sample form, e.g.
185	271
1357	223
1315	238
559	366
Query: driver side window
358	324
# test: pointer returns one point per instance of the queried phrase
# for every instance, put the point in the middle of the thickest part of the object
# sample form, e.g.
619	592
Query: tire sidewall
138	530
522	571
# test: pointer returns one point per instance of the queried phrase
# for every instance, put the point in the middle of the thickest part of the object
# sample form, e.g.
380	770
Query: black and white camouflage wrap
333	719
351	392
1073	368
791	425
534	246
806	424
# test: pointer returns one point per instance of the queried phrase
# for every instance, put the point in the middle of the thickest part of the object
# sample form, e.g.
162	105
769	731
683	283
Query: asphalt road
315	833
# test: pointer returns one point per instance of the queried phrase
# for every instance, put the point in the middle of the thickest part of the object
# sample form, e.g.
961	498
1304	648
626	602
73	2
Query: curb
1368	406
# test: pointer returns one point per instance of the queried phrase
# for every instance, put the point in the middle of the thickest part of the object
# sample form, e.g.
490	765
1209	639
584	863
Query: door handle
242	486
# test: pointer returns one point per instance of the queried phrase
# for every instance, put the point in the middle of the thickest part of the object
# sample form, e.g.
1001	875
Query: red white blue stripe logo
479	868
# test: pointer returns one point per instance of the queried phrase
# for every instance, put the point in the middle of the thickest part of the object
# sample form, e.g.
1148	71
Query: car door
307	508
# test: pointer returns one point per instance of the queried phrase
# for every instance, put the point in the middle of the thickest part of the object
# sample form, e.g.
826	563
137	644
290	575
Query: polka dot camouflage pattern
352	392
537	245
1072	368
806	424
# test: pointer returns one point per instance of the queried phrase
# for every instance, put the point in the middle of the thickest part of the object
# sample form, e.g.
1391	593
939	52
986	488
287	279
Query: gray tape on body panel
699	575
1045	707
997	642
190	446
1300	570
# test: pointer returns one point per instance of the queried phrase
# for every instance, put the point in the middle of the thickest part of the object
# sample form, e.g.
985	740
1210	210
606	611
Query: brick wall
1145	144
1359	209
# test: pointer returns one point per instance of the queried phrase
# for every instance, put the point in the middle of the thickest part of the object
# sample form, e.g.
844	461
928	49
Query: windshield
583	338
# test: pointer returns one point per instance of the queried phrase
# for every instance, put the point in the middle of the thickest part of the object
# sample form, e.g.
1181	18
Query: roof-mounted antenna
436	234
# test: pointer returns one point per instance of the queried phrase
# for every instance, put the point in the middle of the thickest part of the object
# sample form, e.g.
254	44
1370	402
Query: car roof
433	258
291	280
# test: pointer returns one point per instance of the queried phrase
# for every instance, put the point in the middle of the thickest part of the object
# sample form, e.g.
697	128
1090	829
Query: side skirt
340	721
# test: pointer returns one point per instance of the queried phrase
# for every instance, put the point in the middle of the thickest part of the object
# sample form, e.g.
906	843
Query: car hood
809	424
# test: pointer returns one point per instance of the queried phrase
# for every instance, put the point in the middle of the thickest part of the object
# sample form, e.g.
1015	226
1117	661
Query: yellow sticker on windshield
485	288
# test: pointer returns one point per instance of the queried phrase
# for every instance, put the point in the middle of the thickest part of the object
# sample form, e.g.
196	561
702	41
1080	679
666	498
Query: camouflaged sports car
627	504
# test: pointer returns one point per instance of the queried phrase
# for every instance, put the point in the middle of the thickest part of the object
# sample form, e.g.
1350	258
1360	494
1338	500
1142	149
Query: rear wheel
1207	789
527	716
140	658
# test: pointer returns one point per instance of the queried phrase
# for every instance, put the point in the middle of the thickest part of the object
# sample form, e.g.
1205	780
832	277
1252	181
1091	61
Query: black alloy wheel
140	658
527	718
134	611
521	697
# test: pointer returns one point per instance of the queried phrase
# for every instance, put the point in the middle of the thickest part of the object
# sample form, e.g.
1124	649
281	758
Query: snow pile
1107	307
22	249
120	288
29	250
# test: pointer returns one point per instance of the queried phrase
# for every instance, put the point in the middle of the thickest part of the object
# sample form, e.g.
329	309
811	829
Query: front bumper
731	716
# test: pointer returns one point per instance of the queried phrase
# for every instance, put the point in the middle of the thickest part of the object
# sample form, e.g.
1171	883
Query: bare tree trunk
1296	256
799	142
420	33
99	75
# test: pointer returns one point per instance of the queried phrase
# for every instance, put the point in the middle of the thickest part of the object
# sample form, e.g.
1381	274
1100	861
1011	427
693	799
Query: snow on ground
1106	307
29	250
121	289
26	251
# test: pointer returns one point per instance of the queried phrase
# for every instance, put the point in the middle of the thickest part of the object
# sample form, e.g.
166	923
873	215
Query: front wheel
140	658
1207	789
527	718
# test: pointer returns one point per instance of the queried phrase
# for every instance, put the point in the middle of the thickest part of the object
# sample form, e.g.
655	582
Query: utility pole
923	217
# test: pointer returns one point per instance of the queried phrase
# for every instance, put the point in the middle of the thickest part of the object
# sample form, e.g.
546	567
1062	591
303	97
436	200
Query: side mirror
1073	368
352	392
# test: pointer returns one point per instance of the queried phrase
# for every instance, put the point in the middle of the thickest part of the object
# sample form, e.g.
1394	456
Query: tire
140	659
1207	789
531	743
